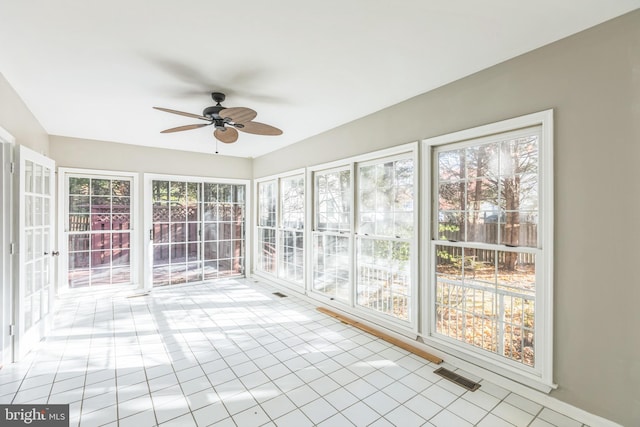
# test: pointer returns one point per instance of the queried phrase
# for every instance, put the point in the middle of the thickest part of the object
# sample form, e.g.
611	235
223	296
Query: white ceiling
93	69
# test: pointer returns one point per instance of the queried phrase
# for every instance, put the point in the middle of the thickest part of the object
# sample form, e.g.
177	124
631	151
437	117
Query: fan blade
259	129
182	113
228	135
186	127
238	114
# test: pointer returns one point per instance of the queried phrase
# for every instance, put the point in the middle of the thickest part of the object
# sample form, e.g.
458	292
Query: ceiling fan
225	120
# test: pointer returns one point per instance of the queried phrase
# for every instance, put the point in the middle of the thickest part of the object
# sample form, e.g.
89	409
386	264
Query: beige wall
592	80
16	119
90	154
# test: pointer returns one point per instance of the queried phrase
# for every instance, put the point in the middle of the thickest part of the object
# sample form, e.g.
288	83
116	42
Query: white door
99	229
34	293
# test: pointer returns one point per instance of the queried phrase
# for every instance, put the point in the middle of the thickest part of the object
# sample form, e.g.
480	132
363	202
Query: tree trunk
511	234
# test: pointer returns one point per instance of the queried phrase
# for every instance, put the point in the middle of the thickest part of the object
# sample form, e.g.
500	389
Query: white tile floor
230	353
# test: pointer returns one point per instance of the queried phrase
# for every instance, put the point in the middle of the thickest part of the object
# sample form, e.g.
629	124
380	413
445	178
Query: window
280	231
291	230
267	226
385	230
99	213
332	235
491	209
363	241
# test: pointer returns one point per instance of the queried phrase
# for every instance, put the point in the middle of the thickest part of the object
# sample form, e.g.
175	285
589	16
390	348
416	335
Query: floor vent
461	381
280	294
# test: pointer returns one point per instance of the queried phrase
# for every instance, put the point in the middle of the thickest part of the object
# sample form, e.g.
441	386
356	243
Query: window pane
178	192
120	240
79	242
210	192
178	212
121	221
78	260
482	162
100	241
224	230
384	277
292	256
451	226
78	222
486	297
78	204
516	283
193	252
211	231
160	255
333	201
121	188
178	232
161	233
491	185
450	196
451	165
224	249
100	187
267	250
292	202
178	253
79	186
267	204
38	177
225	193
211	250
331	266
121	257
386	199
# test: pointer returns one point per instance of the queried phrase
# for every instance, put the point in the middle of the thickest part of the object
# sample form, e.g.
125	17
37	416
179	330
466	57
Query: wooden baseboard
388	338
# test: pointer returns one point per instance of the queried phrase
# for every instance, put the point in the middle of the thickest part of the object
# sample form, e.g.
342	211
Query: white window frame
148	217
412	241
540	376
259	228
281	229
63	242
275	276
408	328
350	235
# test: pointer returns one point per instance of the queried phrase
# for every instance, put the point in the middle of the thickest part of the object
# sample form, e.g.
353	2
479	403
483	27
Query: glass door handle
55	253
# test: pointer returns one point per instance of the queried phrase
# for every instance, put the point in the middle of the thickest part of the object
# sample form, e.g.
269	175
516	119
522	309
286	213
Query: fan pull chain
216	146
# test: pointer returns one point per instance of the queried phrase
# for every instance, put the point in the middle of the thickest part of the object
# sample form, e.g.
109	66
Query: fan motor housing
213	111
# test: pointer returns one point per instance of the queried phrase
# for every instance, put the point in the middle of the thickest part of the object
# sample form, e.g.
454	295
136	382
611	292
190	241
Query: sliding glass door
197	230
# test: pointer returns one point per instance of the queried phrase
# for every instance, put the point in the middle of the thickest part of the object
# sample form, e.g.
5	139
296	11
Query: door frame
7	239
63	190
